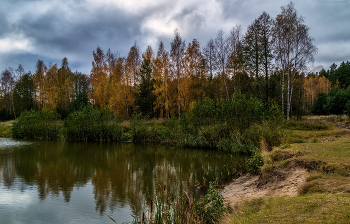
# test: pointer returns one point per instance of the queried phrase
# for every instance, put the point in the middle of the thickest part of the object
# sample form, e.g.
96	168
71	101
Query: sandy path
279	182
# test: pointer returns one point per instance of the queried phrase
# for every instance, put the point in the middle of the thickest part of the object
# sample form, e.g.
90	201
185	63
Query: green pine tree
145	97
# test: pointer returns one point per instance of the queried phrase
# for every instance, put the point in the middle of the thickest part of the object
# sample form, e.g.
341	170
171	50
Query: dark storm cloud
51	30
54	35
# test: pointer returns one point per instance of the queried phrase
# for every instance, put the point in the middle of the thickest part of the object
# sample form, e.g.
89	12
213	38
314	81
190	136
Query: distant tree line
270	62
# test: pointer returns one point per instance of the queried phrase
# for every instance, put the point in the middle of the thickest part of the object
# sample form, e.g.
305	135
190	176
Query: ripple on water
10	143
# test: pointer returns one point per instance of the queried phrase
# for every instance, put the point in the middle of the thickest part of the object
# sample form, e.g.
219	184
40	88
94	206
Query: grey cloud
191	17
52	32
328	22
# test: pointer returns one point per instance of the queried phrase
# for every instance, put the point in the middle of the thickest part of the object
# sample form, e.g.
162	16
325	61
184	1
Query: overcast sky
52	29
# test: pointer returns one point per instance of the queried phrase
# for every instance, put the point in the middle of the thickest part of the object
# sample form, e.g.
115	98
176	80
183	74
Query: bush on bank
90	124
32	124
234	125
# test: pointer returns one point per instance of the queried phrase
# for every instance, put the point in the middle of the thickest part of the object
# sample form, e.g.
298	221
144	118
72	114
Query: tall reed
184	209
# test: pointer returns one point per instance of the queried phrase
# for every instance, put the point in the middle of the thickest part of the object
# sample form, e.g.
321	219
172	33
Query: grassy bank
5	129
324	151
310	208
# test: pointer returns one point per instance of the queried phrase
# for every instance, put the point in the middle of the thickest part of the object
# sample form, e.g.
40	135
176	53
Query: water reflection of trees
120	173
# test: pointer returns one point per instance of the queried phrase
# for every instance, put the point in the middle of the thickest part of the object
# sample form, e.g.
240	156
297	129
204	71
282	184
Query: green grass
333	152
309	208
326	135
307	124
5	129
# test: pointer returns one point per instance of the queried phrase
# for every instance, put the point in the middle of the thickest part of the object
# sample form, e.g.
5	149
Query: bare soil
279	182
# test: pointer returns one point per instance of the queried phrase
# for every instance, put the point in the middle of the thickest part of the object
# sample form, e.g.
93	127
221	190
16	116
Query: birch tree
293	49
222	51
209	55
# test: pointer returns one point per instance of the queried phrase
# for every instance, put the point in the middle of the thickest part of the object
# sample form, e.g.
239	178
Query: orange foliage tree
313	85
161	83
190	79
99	80
51	83
39	82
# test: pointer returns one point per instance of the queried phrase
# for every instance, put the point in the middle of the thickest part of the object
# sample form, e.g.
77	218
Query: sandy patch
279	182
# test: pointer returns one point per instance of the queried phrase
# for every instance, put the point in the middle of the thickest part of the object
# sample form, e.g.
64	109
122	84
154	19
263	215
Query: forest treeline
234	125
270	62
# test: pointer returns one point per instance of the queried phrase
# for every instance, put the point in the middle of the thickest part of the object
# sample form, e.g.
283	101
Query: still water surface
76	182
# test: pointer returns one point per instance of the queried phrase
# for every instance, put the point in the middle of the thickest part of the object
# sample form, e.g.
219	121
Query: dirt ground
279	182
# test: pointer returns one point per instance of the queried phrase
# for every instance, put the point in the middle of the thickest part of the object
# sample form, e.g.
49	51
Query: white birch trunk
288	94
282	91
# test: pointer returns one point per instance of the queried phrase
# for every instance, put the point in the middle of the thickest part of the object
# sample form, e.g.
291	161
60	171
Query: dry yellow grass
5	129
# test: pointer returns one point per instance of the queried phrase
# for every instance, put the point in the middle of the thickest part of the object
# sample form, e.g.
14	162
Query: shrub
232	125
139	129
32	124
90	124
254	162
347	108
272	134
211	207
318	106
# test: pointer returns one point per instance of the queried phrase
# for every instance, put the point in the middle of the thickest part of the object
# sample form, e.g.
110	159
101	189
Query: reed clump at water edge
183	209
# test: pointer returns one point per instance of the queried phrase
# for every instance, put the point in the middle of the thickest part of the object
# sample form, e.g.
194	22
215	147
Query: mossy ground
325	197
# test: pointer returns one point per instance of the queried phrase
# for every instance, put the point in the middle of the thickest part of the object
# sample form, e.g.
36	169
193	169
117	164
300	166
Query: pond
80	182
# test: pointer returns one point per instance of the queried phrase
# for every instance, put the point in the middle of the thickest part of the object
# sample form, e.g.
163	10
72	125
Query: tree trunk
224	76
282	91
288	95
266	77
178	96
290	99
